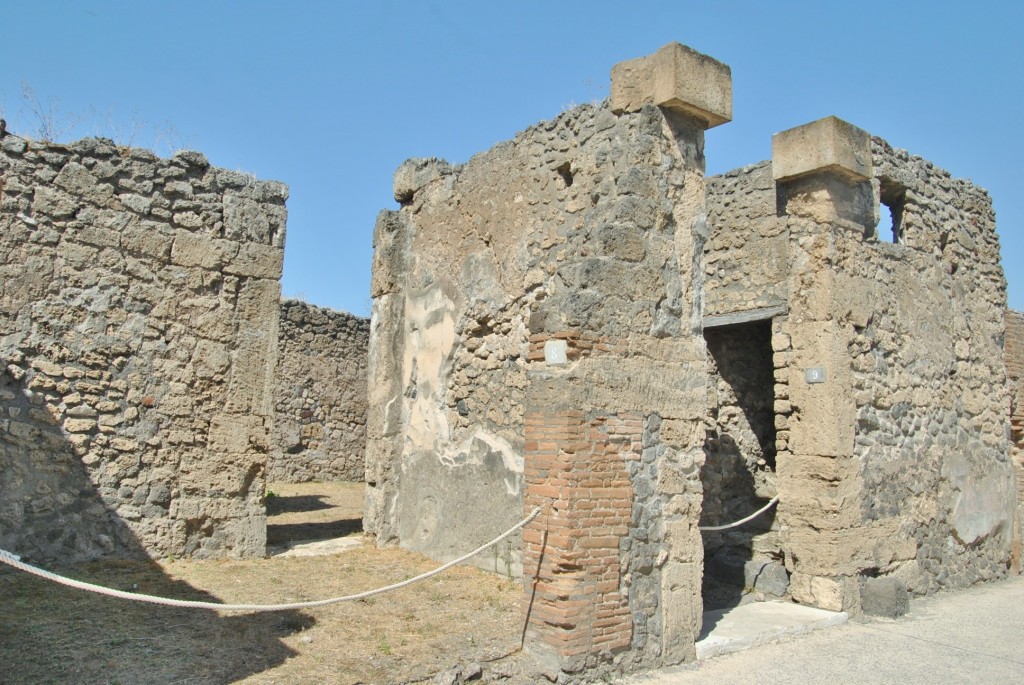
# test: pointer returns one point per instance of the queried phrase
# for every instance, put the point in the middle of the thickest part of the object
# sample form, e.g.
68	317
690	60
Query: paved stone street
973	636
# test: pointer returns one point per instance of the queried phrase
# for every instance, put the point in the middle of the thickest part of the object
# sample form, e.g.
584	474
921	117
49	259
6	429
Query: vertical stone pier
823	174
615	403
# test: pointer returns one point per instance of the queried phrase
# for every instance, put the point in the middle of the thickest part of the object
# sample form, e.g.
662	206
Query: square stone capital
828	144
678	78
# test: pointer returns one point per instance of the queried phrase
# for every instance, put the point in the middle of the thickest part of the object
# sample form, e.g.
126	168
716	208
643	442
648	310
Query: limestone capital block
677	78
828	144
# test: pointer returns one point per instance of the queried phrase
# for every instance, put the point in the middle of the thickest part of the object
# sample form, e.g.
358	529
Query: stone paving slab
315	548
738	628
971	636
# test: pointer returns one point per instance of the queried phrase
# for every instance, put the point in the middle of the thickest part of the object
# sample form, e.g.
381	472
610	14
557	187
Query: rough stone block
195	250
884	597
234	433
415	173
257	261
53	202
245	220
828	144
678	78
824	593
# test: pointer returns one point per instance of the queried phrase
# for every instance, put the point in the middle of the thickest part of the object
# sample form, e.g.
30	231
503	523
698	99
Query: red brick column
576	471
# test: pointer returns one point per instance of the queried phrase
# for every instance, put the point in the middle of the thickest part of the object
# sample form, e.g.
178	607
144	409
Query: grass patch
52	634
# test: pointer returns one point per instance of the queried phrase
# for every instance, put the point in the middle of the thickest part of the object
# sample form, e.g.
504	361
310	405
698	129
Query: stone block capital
676	78
825	145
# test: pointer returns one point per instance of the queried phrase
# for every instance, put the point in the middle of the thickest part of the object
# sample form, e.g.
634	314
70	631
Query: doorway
740	564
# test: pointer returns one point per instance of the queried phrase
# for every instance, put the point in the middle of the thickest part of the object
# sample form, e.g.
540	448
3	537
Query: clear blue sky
330	97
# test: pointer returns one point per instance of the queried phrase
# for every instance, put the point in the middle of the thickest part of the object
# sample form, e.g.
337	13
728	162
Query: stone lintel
746	316
676	78
825	145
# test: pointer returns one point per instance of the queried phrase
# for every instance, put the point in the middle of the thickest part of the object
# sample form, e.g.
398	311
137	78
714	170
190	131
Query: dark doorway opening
740	564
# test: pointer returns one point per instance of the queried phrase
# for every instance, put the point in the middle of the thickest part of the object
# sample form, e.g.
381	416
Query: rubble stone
320	396
139	352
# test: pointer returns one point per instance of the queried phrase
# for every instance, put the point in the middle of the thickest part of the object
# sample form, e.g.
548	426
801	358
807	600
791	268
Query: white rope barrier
13	560
736	524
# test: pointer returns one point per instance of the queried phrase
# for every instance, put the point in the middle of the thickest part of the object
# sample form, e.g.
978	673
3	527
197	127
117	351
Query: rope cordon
13	560
736	524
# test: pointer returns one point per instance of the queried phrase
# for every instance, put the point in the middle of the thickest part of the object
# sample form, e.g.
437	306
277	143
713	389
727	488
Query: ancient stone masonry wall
892	461
746	256
923	324
631	391
320	417
536	342
138	336
1014	351
909	425
574	239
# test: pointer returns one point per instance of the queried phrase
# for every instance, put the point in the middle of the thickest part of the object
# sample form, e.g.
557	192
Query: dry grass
51	634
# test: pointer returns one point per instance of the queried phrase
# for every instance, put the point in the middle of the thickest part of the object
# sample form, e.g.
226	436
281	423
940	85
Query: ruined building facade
577	320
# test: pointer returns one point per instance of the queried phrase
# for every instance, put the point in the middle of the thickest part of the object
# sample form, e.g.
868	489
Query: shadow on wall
732	569
53	634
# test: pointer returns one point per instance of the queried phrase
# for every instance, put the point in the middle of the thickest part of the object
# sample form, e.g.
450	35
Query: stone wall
924	328
1014	351
888	385
536	343
138	339
320	419
1015	371
747	256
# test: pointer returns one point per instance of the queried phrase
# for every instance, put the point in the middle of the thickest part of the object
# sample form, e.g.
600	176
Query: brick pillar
576	471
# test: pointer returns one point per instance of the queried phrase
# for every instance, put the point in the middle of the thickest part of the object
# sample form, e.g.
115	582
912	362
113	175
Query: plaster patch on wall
430	331
983	506
482	445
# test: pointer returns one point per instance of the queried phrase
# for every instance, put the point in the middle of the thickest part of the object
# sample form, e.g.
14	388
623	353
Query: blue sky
330	97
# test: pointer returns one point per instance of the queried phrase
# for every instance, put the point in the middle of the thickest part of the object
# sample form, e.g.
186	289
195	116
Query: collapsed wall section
138	339
320	398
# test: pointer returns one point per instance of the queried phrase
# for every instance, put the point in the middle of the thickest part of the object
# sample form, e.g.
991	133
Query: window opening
892	198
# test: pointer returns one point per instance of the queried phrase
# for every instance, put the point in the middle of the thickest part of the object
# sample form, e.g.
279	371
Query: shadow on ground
281	533
289	504
53	634
332	521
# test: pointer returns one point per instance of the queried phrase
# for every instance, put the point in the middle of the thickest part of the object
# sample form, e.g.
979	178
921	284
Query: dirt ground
52	634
